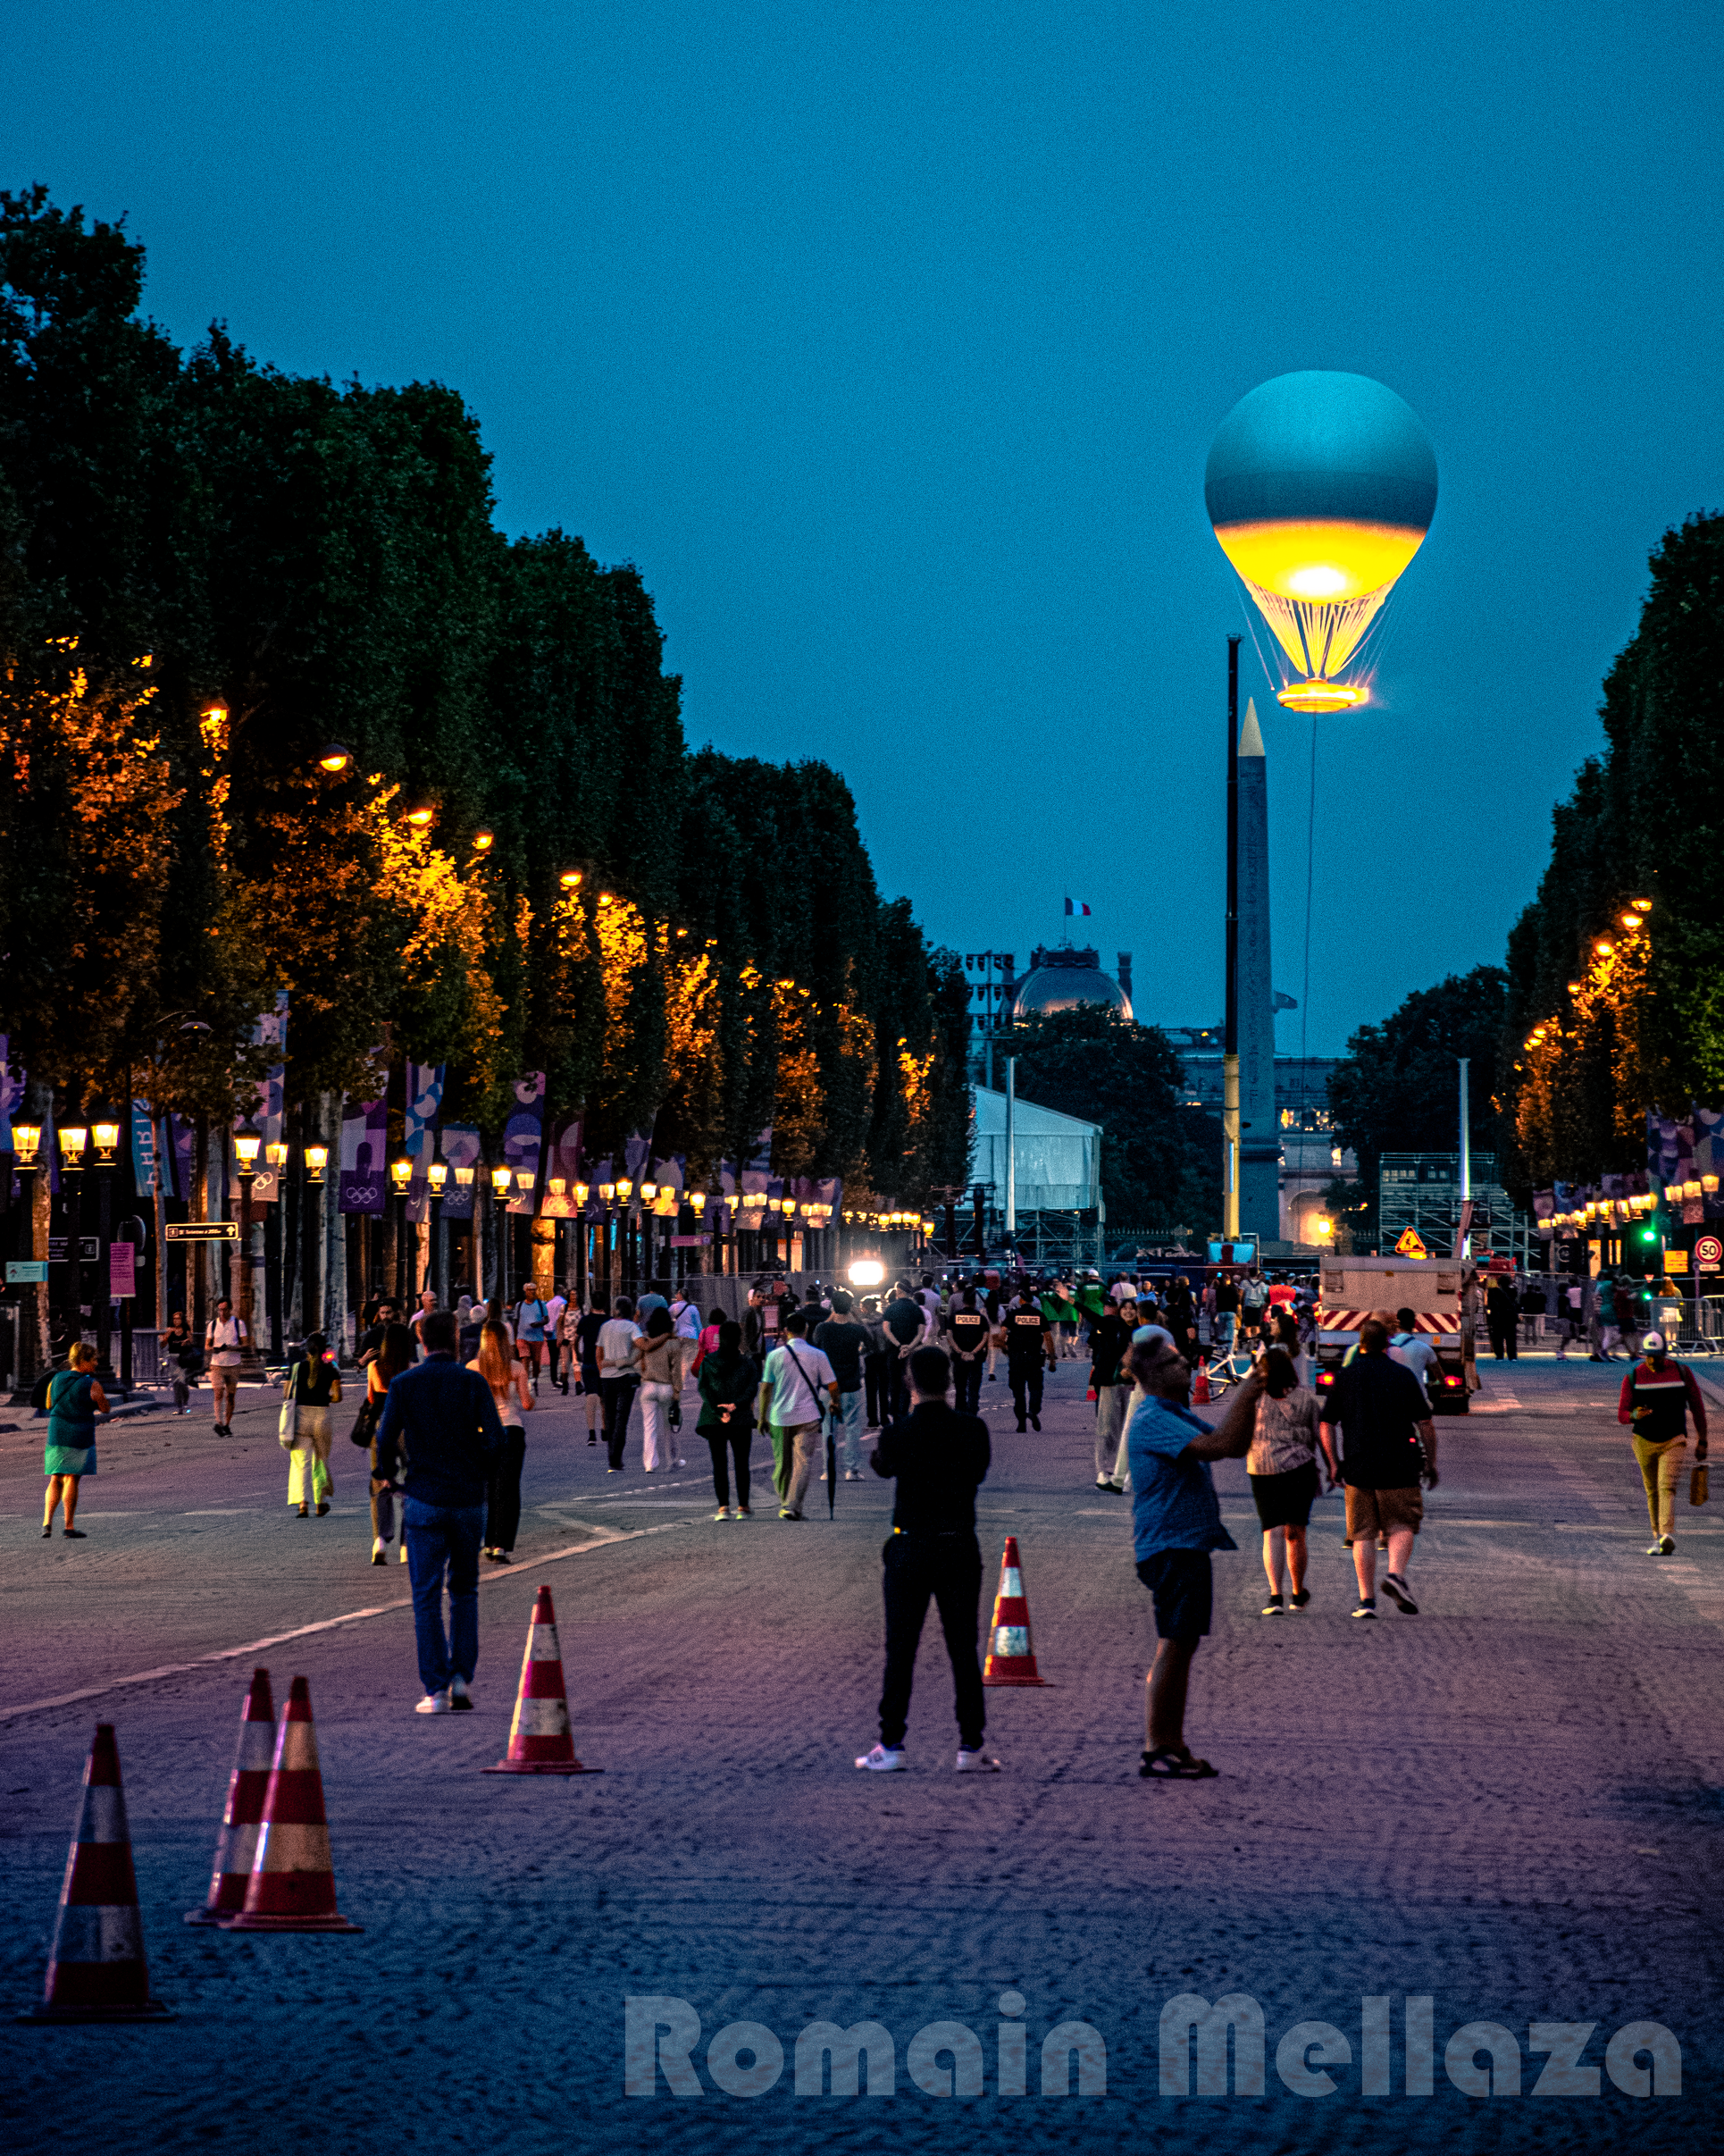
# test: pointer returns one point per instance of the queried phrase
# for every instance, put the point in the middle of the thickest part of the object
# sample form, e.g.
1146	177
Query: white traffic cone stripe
99	1933
540	1718
1011	1581
292	1846
1011	1640
543	1646
104	1815
297	1751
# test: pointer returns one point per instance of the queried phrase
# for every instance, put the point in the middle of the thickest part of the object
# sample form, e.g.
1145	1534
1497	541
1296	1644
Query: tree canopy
212	571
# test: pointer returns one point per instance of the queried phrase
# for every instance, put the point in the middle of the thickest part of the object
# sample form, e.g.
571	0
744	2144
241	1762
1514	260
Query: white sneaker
460	1698
976	1763
853	1474
433	1703
883	1760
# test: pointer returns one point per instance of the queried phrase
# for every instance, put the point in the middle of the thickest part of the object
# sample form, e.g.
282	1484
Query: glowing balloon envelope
1321	488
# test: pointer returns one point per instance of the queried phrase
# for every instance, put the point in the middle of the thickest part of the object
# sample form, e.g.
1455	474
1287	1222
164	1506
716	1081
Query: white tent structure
1059	1158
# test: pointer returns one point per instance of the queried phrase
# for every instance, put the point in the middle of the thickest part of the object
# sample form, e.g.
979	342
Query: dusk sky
889	343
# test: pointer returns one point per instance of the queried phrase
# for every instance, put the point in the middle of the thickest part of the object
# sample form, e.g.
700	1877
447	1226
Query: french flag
1073	909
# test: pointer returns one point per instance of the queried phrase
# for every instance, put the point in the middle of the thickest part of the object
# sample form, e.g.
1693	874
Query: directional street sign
202	1231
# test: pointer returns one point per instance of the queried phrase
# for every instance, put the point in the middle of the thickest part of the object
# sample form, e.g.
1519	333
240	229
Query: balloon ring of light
1322	696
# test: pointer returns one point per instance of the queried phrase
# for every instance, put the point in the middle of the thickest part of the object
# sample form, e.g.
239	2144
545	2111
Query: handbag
286	1428
1697	1485
365	1423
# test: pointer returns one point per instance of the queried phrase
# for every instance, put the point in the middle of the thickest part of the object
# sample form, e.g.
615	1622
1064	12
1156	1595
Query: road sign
1708	1253
24	1272
1411	1246
202	1231
122	1269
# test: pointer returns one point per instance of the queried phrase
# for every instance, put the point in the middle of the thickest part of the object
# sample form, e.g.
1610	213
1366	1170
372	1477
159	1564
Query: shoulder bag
287	1427
365	1423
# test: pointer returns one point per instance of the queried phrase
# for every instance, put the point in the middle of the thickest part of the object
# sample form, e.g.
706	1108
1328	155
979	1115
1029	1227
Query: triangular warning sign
1411	1246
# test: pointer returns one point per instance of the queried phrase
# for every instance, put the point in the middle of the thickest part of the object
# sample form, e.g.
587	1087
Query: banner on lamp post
524	1138
460	1142
364	1137
424	1100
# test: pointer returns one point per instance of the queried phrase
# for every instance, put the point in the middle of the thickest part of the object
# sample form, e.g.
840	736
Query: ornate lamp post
74	1140
625	1232
311	1242
579	1283
607	1192
248	1144
27	1157
649	1236
465	1180
502	1180
437	1174
277	1152
400	1182
698	1205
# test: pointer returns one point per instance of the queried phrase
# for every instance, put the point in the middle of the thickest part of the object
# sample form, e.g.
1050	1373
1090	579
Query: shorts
1285	1500
1379	1512
1184	1591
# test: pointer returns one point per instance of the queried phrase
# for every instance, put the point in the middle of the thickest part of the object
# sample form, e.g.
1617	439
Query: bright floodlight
867	1272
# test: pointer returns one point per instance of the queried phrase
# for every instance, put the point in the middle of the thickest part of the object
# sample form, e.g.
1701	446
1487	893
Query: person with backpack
75	1403
531	1319
225	1341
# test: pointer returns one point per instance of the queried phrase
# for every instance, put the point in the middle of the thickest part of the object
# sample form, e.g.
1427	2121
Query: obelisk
1260	1134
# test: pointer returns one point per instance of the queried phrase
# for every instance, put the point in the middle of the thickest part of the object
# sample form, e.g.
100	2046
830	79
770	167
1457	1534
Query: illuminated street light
276	1153
107	1142
419	818
317	1159
483	841
247	1147
73	1139
26	1143
401	1174
500	1181
437	1175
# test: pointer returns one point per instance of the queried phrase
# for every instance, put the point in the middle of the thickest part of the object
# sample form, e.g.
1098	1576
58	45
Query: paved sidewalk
1509	1804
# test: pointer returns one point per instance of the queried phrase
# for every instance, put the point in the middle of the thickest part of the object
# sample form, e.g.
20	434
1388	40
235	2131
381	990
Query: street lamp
27	1157
248	1144
317	1159
277	1153
74	1139
335	759
401	1182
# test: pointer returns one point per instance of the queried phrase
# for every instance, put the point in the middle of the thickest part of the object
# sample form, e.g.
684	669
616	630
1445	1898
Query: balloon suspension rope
1311	871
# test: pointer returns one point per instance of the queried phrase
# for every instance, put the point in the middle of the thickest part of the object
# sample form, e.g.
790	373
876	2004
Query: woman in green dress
75	1401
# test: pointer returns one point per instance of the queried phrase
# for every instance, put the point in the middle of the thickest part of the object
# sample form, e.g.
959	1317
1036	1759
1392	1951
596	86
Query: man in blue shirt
1175	1523
439	1431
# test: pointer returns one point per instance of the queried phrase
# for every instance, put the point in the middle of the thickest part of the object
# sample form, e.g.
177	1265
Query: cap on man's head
1653	1345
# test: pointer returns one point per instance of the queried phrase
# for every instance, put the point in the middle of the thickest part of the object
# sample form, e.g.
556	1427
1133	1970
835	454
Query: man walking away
966	1328
939	1459
1224	1320
1384	1421
844	1342
1175	1523
904	1320
1413	1352
1029	1351
1503	1319
442	1418
619	1378
791	1386
1610	1336
1658	1396
877	1363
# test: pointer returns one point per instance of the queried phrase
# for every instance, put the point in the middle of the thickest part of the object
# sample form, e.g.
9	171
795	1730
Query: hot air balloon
1320	487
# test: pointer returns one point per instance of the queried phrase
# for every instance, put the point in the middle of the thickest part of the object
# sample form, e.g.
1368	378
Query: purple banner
424	1099
563	1164
364	1139
524	1138
460	1146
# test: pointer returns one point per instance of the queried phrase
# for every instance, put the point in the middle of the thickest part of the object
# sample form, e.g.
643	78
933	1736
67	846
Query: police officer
1029	1350
966	1328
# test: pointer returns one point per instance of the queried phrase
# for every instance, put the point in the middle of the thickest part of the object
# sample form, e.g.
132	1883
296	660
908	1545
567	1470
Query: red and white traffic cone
97	1970
1012	1650
292	1884
539	1739
236	1845
1200	1384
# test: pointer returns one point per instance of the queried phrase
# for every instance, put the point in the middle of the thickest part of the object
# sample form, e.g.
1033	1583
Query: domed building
1065	978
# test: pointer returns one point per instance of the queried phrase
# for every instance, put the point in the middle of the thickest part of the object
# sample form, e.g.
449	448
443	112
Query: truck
1439	1292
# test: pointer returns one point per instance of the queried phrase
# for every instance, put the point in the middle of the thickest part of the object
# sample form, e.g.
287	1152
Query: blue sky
889	343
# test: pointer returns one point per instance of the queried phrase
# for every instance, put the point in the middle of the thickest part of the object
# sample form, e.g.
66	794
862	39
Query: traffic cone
235	1846
1200	1385
1011	1651
292	1884
97	1970
539	1739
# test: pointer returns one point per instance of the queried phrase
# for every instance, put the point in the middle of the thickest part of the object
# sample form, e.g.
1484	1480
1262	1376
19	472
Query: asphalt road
1509	1804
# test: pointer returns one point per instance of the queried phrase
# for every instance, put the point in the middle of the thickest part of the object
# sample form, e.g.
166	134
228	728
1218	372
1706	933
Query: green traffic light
1649	1234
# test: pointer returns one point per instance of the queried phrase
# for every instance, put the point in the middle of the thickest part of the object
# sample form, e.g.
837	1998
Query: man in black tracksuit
939	1458
1029	1351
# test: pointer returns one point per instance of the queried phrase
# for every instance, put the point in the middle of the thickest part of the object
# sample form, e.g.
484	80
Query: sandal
1167	1764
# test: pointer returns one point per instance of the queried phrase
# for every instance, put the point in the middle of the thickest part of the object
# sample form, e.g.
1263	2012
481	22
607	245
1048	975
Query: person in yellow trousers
1658	1396
314	1385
